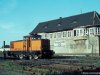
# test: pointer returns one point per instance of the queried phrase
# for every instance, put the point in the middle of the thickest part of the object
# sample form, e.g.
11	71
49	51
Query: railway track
71	61
78	61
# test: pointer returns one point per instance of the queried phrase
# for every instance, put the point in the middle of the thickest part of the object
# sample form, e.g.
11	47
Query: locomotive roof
68	23
17	41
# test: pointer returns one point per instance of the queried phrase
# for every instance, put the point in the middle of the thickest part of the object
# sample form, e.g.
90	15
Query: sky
19	17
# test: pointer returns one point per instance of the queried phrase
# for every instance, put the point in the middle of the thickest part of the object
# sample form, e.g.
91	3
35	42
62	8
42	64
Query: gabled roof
67	23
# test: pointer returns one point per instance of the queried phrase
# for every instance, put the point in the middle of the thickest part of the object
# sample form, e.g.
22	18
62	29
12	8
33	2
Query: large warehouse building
74	35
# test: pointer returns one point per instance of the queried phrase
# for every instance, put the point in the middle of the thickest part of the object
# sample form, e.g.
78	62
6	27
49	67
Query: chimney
3	44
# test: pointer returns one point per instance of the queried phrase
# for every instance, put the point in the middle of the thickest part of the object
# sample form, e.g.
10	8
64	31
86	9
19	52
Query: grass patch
37	69
10	66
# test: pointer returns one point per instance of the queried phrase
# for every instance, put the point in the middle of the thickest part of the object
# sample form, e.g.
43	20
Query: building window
69	34
91	31
54	35
59	35
45	35
50	35
77	32
98	30
64	34
86	31
81	32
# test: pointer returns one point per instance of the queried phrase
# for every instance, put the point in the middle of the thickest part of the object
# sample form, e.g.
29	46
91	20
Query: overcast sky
20	17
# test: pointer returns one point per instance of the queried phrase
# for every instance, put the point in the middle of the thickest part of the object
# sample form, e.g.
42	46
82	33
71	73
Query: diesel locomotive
30	47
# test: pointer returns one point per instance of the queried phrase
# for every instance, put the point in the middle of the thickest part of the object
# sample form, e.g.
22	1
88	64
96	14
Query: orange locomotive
30	47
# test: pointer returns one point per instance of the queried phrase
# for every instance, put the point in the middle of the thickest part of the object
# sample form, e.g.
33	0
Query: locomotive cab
41	47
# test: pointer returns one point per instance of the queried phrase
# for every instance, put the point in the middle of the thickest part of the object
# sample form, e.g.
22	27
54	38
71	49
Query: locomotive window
24	38
36	37
33	38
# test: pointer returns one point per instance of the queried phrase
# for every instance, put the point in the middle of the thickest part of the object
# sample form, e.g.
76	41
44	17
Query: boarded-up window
74	32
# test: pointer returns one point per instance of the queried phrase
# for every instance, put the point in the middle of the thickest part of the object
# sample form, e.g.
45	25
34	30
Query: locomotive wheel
20	57
29	57
5	56
36	57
